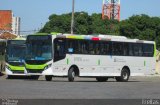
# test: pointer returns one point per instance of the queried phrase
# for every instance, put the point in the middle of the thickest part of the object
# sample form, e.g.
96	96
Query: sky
34	13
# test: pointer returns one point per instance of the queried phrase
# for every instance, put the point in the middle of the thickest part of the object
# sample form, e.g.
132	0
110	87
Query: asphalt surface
83	88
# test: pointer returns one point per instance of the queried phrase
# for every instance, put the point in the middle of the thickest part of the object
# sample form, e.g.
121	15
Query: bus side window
71	46
97	48
85	47
82	47
126	49
102	48
148	50
130	48
140	49
76	46
91	47
117	48
105	48
79	46
137	49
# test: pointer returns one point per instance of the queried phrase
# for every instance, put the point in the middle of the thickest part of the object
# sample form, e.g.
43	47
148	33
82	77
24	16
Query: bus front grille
18	71
34	71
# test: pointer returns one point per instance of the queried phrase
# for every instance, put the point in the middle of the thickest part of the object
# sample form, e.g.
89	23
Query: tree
57	23
84	24
142	27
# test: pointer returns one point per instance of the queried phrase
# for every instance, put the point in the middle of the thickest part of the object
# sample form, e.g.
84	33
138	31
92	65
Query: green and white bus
99	57
2	55
15	54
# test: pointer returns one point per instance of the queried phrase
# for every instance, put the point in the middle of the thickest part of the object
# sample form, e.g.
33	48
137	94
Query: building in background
9	23
16	25
5	21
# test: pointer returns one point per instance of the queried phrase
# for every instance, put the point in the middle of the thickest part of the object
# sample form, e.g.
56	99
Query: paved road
83	88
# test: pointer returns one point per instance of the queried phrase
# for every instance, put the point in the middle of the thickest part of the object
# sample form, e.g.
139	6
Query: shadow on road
77	80
22	78
82	81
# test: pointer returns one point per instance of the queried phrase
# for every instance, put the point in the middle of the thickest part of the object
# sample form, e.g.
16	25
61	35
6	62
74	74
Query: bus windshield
39	48
16	52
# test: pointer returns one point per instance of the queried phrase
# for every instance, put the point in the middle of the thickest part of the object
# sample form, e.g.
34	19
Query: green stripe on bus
54	33
16	68
37	67
99	62
41	34
67	61
155	50
75	37
144	63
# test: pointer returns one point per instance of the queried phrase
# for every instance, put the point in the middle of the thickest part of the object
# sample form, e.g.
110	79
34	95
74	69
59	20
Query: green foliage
142	27
83	24
57	23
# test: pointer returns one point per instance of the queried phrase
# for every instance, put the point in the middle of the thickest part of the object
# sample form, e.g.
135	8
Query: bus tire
101	79
71	74
48	77
124	76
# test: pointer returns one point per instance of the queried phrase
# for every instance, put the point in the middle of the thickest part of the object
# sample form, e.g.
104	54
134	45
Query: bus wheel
71	74
124	76
48	77
101	79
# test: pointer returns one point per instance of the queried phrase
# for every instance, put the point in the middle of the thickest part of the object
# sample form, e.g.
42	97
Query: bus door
59	49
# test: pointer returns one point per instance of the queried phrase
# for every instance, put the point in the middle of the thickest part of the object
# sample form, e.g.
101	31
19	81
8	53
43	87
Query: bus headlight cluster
48	66
8	67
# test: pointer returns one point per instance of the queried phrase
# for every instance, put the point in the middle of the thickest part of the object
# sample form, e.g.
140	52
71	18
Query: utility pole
72	20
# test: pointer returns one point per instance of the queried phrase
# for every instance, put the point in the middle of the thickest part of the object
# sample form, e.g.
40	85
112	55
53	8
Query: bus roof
97	37
104	37
112	36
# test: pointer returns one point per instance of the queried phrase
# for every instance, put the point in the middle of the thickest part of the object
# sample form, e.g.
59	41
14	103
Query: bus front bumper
14	72
47	71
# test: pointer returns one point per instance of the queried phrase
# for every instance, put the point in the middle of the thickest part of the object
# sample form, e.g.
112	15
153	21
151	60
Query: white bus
15	53
89	56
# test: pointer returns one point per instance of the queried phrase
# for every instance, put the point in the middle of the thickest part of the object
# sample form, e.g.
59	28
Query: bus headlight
8	67
48	66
